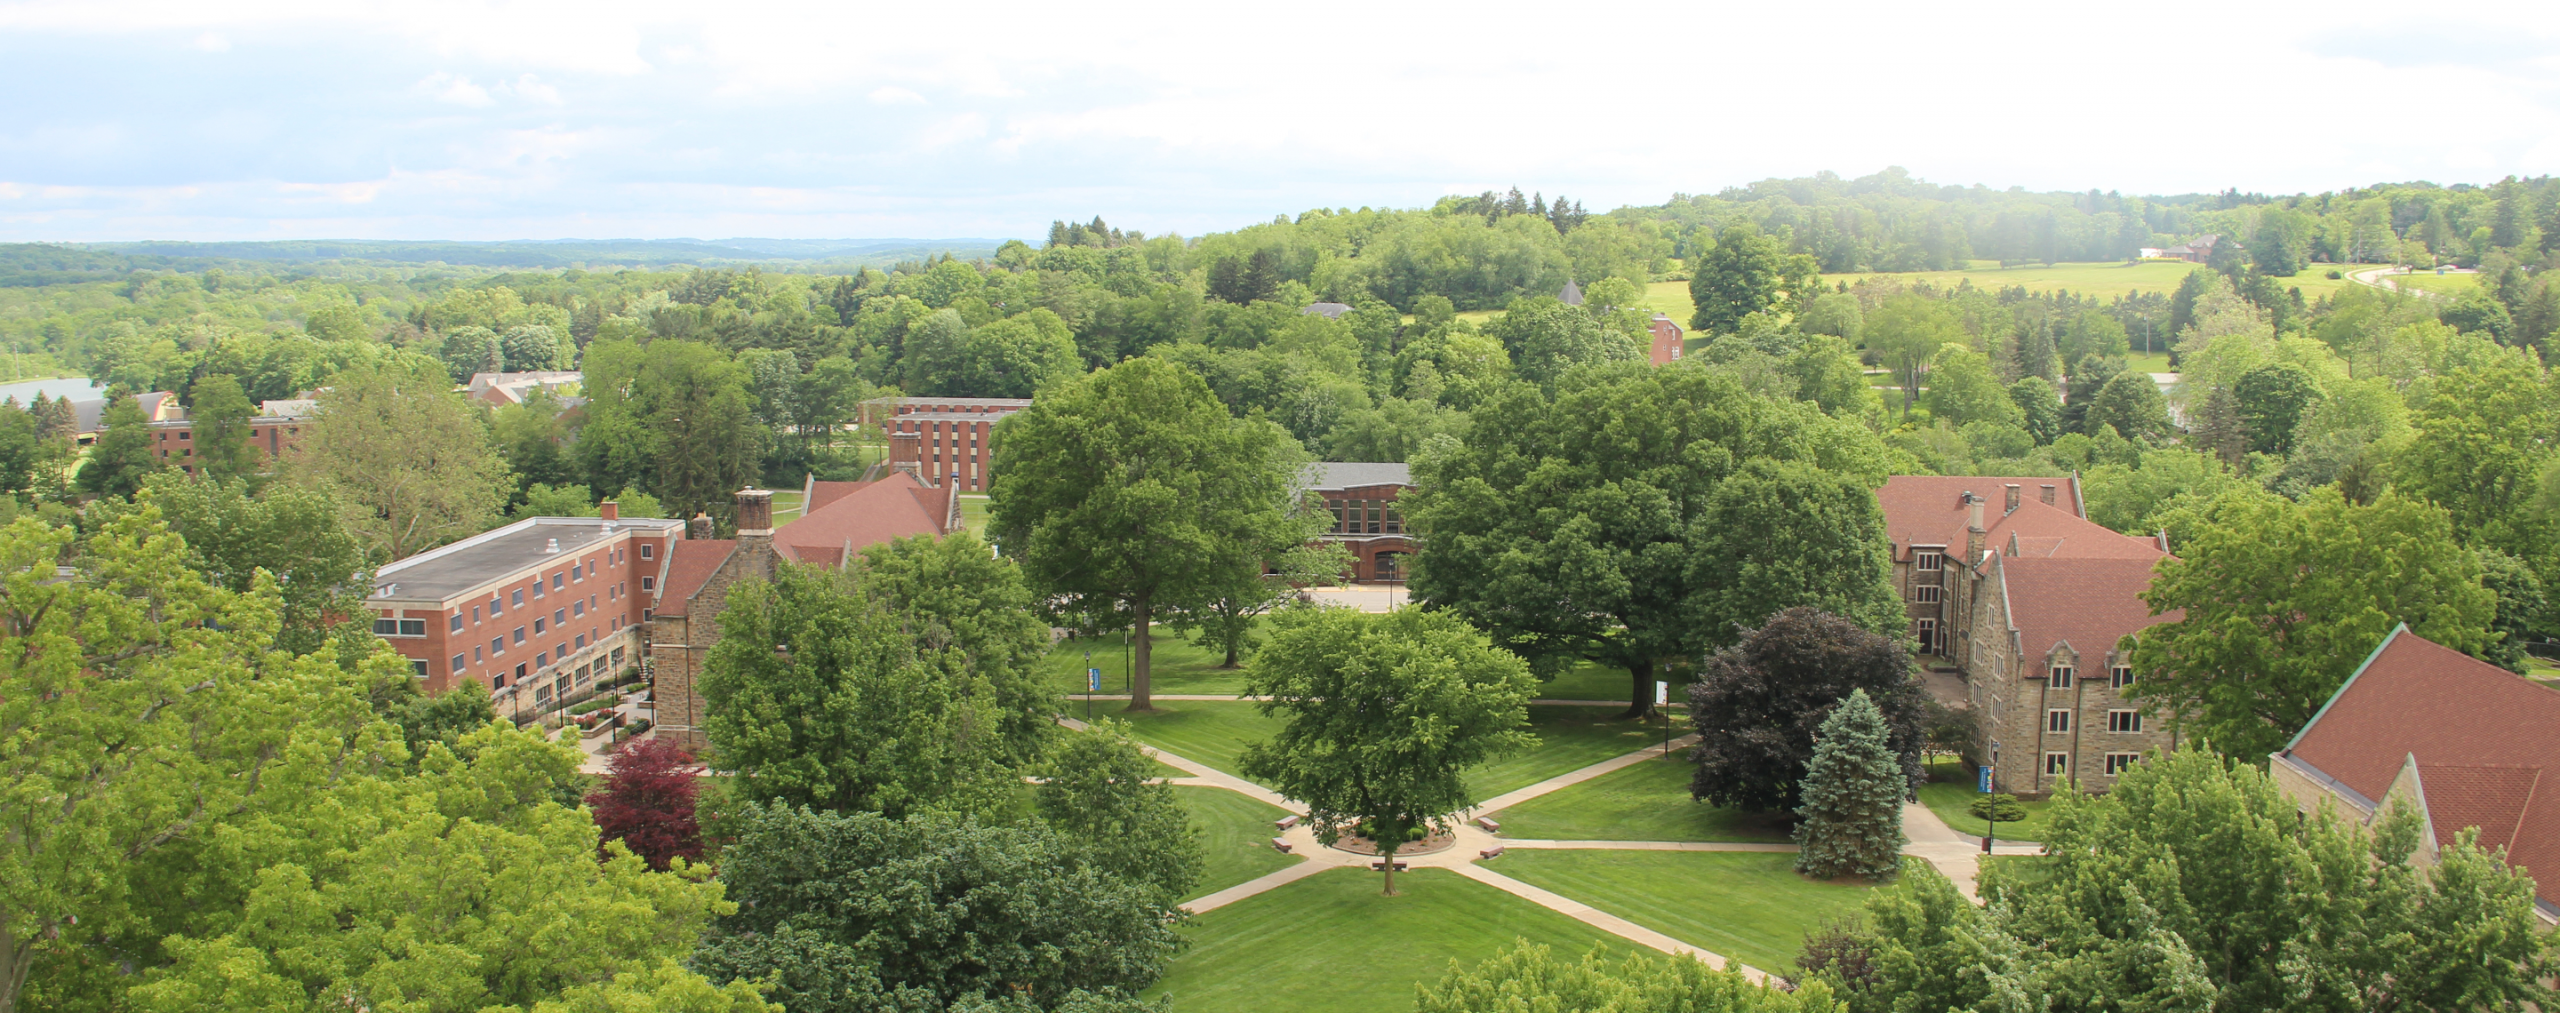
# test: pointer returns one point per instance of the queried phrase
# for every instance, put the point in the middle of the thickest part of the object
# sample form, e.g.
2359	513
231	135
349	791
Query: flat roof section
440	575
951	416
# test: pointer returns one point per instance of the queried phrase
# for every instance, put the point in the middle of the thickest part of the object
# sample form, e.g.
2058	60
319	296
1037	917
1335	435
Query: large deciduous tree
1383	716
122	457
1127	492
674	419
1101	790
1908	331
1758	704
858	912
1745	273
1589	524
2282	600
823	697
221	414
1853	791
971	615
408	463
292	533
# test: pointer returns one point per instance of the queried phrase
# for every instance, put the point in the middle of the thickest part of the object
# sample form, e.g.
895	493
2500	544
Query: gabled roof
1334	476
2484	739
2035	529
2089	604
862	515
1930	509
1327	310
690	561
1571	295
823	493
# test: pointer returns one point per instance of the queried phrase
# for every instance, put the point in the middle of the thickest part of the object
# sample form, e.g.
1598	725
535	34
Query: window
475	615
559	617
418	668
400	627
648	550
577	572
2057	764
582	641
2062	677
577	608
648	583
457	663
1928	636
2124	721
1395	521
1929	560
519	673
559	580
1390	566
476	656
516	599
2118	763
519	634
497	608
537	625
2120	677
1926	594
541	659
497	645
2057	721
456	625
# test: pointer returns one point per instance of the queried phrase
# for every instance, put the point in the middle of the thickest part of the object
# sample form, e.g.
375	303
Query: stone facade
2055	712
684	629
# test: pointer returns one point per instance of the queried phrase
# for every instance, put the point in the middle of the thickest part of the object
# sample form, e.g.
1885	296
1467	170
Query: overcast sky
455	119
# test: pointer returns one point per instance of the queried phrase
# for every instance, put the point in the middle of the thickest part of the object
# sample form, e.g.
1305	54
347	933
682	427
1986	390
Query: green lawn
1950	791
973	512
787	504
2441	284
1671	299
2102	280
1213	732
1746	905
1571	738
1330	944
1645	802
1236	832
1588	680
1179	666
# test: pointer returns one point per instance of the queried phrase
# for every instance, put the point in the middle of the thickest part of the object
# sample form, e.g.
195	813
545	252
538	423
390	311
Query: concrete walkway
1566	780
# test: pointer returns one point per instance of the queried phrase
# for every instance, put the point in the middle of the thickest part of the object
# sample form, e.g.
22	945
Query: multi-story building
536	609
2030	608
1361	497
942	440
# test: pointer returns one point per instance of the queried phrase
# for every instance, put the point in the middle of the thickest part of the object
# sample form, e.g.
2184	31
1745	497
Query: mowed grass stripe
1648	801
1213	732
1748	906
1178	666
1235	835
1330	944
1570	738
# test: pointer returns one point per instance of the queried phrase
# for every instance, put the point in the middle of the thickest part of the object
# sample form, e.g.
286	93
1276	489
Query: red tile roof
866	514
1930	509
2484	739
690	561
2052	533
2089	603
823	493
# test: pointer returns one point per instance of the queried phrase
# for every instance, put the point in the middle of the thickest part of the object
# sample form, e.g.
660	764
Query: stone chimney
2012	508
700	526
612	511
2047	494
755	514
1973	529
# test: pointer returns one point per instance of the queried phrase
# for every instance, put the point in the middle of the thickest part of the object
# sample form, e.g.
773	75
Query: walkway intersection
1931	840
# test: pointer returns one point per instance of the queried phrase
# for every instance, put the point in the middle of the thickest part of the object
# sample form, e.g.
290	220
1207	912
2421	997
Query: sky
475	120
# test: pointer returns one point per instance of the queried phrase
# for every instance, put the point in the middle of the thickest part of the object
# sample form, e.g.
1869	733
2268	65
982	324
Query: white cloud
532	89
444	87
893	95
211	42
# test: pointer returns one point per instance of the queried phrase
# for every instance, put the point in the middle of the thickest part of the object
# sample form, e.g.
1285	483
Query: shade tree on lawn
1758	705
1384	716
1131	492
1590	523
1101	791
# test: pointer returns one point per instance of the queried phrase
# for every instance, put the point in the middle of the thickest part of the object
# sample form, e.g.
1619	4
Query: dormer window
1928	559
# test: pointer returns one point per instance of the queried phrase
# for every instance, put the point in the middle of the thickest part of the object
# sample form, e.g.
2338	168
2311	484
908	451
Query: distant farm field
2106	281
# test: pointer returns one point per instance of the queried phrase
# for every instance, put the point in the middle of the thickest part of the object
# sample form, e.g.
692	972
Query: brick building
1665	340
942	440
276	428
2464	741
694	579
2028	607
1362	499
536	609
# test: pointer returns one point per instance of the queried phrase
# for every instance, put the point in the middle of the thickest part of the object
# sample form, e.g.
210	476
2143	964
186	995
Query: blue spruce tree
1853	793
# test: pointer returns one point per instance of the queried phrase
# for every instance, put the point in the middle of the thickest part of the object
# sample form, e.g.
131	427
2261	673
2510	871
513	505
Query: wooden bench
1382	866
1281	845
1286	822
1488	824
1490	853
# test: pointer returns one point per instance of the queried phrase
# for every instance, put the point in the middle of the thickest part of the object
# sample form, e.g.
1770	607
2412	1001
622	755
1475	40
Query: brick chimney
1973	529
755	514
2012	508
612	511
700	526
2047	494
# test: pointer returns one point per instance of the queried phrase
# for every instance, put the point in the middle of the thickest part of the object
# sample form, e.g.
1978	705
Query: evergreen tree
1853	792
2040	410
2218	429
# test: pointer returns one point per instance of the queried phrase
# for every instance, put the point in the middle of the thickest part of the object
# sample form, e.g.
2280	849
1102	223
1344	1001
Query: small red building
1666	340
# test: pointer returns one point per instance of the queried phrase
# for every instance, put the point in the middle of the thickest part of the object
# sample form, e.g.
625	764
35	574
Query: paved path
2379	277
1605	921
1511	798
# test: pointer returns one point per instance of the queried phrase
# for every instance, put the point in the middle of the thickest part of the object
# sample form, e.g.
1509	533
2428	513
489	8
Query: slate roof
1327	310
690	562
2484	740
2087	603
865	514
1335	476
2041	531
1930	509
1571	295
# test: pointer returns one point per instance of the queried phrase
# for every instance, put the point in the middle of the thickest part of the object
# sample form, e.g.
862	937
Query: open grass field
973	514
1330	944
1235	832
787	505
1645	802
1213	732
1950	797
1179	666
1747	905
2105	281
1571	738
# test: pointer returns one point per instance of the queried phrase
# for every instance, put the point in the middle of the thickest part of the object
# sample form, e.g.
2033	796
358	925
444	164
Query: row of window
2118	677
1365	517
2117	721
2059	764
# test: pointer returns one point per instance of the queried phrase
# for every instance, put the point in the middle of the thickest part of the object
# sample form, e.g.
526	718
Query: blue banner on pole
1982	779
1093	680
